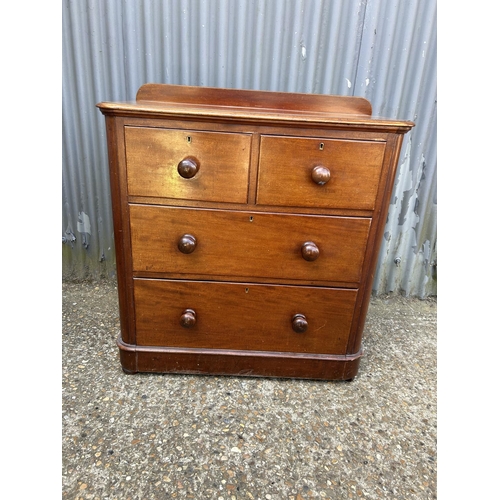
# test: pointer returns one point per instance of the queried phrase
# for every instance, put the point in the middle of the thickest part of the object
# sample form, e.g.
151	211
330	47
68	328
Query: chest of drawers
247	226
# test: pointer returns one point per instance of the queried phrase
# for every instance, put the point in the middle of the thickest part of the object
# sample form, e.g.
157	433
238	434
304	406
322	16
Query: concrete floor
179	436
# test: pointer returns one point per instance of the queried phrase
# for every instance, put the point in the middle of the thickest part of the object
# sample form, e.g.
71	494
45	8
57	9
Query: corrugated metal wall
382	50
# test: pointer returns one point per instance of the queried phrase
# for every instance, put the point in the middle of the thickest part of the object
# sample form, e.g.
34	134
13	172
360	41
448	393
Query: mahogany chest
247	226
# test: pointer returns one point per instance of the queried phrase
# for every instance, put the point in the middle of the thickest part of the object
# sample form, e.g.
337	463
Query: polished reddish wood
309	251
212	105
187	244
215	164
320	175
214	184
239	363
286	172
118	184
188	167
208	96
242	243
299	323
243	316
188	318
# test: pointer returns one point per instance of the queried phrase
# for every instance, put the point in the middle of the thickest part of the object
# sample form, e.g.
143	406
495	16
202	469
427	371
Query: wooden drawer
248	244
286	172
153	156
242	316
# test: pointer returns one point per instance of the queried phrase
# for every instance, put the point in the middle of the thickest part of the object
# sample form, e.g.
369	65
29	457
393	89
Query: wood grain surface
243	243
153	155
247	228
286	172
243	316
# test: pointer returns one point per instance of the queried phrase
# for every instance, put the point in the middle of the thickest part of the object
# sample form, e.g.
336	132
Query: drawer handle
320	175
299	323
188	167
310	251
187	243
188	318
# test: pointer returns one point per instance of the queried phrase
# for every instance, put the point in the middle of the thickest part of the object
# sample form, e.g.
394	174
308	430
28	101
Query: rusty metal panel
385	51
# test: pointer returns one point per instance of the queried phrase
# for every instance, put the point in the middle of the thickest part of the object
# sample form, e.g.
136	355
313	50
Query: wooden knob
310	251
188	167
188	318
299	323
187	243
320	175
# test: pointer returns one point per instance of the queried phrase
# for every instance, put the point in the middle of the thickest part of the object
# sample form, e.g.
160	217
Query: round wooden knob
187	243
320	175
310	251
188	167
299	323
188	318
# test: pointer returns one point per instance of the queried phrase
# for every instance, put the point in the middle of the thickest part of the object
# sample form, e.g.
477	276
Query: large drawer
242	316
287	172
217	161
251	244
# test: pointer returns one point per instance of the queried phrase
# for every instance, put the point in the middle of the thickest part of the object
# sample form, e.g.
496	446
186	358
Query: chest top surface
164	100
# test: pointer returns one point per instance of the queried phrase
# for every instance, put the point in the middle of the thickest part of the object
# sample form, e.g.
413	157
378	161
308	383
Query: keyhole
251	219
321	146
188	138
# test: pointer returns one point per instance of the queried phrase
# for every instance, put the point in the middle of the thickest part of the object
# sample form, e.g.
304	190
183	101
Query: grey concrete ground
178	436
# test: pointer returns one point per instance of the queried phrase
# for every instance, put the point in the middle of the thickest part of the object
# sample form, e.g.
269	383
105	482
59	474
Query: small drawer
231	243
322	173
215	315
191	165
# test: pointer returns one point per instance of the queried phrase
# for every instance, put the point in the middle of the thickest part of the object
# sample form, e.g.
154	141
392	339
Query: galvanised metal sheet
382	50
